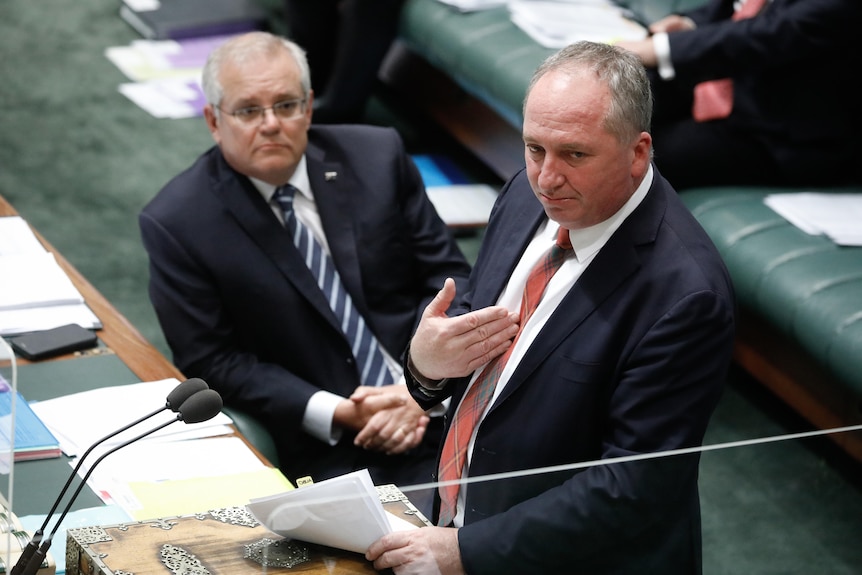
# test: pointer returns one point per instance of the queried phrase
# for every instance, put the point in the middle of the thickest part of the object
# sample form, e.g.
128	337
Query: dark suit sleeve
206	336
787	33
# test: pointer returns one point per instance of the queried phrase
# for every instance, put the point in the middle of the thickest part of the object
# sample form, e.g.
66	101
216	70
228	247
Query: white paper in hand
343	512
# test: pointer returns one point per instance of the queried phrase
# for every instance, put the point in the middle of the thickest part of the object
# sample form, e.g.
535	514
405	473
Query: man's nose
269	119
549	174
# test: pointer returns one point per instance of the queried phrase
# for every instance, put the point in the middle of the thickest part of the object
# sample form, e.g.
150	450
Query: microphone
201	406
174	401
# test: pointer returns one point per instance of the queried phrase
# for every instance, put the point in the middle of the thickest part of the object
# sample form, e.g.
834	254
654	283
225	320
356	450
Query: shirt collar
299	180
587	242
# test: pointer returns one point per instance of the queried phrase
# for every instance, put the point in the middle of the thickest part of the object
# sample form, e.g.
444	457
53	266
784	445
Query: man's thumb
443	299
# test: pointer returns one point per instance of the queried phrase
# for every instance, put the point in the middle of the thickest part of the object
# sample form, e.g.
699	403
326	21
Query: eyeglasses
282	110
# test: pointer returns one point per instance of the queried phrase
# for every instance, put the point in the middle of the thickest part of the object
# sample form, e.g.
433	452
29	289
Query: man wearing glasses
289	266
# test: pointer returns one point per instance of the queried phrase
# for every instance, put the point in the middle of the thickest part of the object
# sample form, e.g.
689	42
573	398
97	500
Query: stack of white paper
834	215
35	293
114	407
35	280
343	512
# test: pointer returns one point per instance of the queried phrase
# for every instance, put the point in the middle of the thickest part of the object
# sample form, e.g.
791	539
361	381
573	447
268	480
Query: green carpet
79	160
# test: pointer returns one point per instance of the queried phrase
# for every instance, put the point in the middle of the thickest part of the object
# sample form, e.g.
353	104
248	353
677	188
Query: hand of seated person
672	23
394	429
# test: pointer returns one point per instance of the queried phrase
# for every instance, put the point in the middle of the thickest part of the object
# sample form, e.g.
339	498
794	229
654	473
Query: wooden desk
118	335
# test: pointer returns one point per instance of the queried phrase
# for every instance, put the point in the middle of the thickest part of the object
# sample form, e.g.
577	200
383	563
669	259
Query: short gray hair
239	49
630	111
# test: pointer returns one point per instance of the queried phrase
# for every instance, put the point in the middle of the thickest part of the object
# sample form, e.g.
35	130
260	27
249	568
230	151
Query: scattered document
344	512
35	280
173	98
18	321
17	238
165	74
153	465
462	205
118	406
835	215
459	202
558	24
473	5
38	294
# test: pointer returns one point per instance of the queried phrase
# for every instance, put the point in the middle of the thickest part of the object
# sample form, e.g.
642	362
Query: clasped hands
387	418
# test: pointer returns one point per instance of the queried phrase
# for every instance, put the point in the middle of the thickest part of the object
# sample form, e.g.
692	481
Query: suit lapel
335	188
249	210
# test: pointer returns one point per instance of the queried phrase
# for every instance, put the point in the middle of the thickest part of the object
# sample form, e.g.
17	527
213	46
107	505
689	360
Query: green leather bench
800	298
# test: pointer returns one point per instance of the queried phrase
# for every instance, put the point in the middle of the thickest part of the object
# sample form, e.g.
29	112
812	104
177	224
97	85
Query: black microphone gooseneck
201	406
174	401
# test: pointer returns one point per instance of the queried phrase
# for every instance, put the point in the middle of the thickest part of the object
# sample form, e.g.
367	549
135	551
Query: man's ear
309	108
642	155
212	122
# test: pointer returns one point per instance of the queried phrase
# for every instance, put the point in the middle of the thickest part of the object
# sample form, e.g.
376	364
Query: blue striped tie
369	358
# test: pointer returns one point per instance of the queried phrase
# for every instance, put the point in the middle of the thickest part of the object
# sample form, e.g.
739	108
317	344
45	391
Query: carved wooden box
225	541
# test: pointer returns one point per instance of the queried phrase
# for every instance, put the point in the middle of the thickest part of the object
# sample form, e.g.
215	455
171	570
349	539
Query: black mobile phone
50	342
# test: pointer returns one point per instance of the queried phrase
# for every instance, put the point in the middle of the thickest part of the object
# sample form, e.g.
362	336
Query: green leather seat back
806	286
254	432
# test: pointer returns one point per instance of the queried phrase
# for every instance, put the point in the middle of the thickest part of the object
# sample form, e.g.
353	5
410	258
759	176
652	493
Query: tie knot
564	242
284	195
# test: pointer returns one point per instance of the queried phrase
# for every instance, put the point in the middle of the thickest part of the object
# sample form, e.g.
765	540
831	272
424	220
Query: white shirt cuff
661	44
317	420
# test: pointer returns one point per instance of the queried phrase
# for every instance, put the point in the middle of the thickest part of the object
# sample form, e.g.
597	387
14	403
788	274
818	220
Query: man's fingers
441	302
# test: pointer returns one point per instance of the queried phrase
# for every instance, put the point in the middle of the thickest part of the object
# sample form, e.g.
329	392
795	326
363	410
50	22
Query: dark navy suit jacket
632	362
240	309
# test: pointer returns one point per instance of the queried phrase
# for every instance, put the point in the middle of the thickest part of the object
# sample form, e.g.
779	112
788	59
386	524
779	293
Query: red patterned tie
713	99
454	454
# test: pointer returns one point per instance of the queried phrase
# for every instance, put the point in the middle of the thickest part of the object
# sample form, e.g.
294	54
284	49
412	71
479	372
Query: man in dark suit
625	355
240	307
793	120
